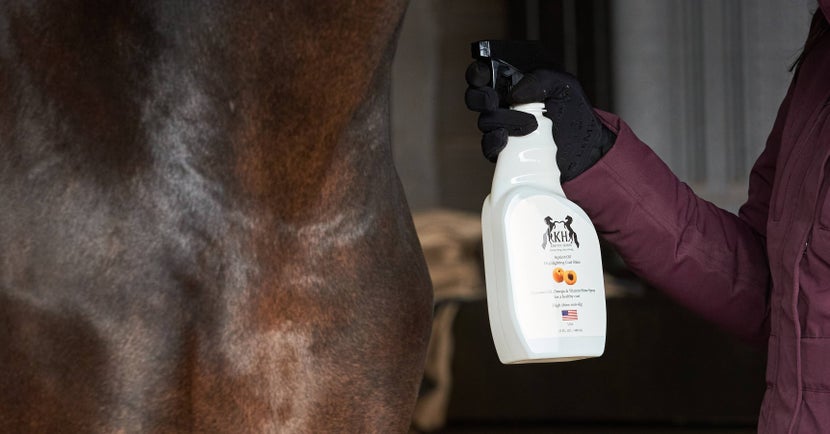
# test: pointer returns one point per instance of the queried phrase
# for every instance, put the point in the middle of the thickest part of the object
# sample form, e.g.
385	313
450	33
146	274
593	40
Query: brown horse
200	225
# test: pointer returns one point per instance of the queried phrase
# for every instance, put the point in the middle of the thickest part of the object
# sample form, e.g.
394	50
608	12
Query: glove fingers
541	85
492	143
478	74
482	99
515	123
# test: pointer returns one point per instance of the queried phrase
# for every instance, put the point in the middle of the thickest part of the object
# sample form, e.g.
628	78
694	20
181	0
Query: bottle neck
528	160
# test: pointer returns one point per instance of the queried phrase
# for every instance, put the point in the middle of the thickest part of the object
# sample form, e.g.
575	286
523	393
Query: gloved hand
580	136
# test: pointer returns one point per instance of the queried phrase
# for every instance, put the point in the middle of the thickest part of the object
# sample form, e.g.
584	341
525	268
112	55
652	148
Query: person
763	274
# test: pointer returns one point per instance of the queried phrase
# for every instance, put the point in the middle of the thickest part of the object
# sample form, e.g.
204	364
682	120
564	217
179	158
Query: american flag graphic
569	315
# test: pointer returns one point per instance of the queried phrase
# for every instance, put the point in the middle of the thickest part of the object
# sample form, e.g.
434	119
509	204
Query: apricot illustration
558	274
570	277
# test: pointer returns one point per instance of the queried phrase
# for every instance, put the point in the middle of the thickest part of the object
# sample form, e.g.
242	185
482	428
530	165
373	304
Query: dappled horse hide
201	228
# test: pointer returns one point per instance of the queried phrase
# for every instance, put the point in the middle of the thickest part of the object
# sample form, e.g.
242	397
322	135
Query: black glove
580	137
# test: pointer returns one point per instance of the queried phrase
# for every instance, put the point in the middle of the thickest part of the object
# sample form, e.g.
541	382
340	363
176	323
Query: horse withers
201	229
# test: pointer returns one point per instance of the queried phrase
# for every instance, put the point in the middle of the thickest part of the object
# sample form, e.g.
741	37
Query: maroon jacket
764	274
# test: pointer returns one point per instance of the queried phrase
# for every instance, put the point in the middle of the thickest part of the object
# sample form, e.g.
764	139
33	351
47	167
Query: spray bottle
543	270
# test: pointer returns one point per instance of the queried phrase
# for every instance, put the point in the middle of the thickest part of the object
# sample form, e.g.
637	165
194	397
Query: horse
201	228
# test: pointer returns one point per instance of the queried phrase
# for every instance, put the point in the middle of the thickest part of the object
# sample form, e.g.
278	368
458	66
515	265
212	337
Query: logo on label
564	234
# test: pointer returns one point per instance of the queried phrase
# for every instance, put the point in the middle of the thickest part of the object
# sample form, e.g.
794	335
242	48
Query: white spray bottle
543	269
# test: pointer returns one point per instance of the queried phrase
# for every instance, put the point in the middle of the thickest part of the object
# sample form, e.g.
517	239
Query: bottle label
555	271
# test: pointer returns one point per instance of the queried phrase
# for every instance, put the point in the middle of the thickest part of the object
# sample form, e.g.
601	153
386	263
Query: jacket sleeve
706	258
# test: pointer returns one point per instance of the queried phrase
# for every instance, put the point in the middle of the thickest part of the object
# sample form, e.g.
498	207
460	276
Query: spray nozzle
509	60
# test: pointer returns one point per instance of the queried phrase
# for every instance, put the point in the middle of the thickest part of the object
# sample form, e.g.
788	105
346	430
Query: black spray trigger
509	60
505	76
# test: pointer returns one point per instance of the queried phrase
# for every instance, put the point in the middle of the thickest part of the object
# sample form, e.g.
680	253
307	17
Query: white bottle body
530	230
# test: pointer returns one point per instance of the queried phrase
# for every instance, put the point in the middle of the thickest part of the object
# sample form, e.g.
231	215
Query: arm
707	259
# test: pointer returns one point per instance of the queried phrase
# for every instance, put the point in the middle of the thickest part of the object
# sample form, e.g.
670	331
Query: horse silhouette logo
567	234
